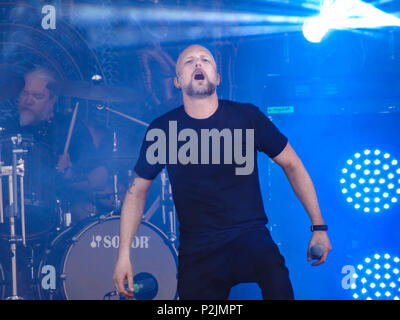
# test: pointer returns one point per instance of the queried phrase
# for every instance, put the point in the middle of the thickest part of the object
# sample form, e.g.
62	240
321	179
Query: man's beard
26	117
201	92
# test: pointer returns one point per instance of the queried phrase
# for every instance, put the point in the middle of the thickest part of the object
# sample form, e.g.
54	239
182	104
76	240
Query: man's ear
49	111
176	83
53	99
218	79
52	102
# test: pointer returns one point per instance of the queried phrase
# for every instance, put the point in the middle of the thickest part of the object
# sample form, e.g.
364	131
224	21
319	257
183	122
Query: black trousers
251	257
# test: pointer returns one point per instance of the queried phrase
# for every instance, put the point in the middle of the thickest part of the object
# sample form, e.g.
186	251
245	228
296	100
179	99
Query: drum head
86	269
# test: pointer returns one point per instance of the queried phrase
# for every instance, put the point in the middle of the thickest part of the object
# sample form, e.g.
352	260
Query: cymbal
93	91
117	161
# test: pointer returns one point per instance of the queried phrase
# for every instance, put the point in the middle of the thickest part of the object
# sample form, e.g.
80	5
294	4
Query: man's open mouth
198	75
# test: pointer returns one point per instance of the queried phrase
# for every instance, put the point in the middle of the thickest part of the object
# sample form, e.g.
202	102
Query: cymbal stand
12	211
117	201
167	205
125	116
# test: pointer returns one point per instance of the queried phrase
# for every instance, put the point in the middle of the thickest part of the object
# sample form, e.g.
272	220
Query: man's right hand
131	216
123	272
64	162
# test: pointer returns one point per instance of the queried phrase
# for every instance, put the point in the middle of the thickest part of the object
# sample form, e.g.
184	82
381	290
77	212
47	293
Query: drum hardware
2	283
166	201
31	265
98	91
94	90
125	116
172	223
24	213
167	205
36	186
12	211
117	201
64	215
79	262
104	217
152	209
115	158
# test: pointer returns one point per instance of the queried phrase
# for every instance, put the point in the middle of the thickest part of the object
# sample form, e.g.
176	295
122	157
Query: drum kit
44	256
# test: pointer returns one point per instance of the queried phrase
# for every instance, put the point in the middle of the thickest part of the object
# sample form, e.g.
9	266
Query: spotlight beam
175	24
313	5
346	14
128	38
94	14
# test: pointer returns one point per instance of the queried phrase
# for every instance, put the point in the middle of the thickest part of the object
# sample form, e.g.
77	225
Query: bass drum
79	263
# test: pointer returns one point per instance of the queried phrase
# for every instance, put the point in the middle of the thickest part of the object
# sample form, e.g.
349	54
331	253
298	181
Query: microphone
316	251
145	287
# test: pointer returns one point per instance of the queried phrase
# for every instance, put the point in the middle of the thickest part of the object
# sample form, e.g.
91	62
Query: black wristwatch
319	227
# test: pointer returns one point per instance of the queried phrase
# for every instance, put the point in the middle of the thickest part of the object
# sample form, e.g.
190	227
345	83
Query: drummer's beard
26	117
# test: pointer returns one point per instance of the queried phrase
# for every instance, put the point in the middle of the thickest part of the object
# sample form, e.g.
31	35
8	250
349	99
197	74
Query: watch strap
319	227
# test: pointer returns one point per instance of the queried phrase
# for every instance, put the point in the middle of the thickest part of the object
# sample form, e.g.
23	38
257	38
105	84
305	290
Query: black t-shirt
214	201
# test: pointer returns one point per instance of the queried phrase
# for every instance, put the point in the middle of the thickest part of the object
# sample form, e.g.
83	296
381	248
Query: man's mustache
23	108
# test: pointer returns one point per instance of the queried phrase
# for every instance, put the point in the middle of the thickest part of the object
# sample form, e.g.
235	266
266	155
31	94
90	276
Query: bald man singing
209	147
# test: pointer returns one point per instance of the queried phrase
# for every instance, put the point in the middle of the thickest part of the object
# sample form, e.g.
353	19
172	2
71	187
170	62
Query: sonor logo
108	241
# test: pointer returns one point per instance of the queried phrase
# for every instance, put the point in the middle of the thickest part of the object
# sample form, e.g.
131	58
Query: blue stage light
374	188
315	29
346	14
377	278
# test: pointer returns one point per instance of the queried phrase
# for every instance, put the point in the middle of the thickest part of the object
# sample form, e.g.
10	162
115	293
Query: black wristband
319	227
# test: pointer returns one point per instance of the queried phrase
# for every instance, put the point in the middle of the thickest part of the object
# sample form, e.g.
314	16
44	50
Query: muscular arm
301	182
131	215
304	189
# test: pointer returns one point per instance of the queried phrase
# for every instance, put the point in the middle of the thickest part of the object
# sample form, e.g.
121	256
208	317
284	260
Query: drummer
78	179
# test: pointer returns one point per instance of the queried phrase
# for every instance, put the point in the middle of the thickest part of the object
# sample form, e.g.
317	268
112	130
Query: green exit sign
278	110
